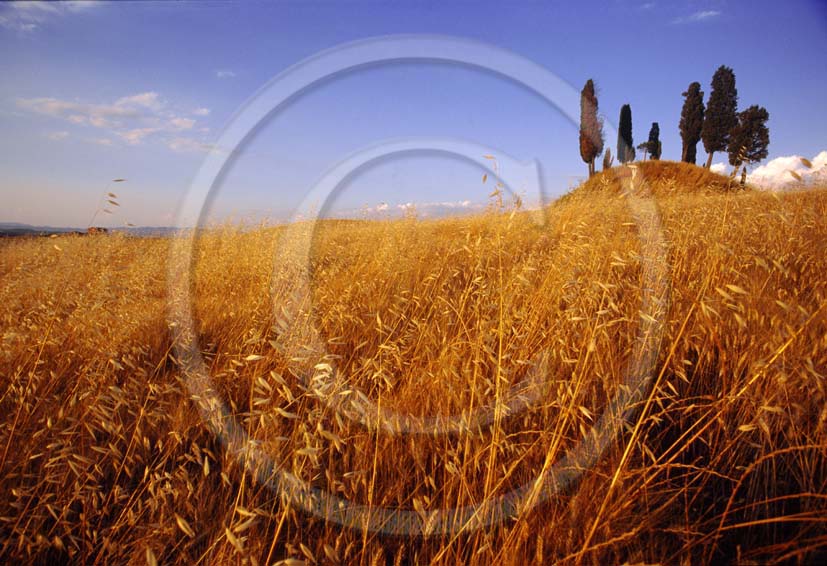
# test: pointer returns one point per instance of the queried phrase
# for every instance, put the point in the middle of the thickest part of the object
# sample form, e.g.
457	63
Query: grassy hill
662	178
105	456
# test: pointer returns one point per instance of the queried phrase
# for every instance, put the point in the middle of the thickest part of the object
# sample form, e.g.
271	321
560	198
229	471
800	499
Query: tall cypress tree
591	127
692	119
749	139
721	112
653	145
625	147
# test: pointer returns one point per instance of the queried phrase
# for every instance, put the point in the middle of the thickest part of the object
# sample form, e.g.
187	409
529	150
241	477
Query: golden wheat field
412	367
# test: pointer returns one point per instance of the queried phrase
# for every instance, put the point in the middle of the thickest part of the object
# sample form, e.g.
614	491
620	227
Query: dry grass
667	178
105	457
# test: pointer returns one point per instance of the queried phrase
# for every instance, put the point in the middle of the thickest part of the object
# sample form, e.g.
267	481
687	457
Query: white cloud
700	16
201	112
100	122
781	172
443	204
457	204
224	73
184	145
426	207
704	15
136	135
422	209
132	118
25	17
57	136
179	124
98	115
148	100
81	5
719	168
22	27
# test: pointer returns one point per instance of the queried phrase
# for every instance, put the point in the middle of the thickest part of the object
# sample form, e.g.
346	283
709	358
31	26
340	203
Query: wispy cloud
182	123
136	135
99	115
149	100
647	6
100	141
26	17
57	136
185	145
132	119
700	16
201	112
224	73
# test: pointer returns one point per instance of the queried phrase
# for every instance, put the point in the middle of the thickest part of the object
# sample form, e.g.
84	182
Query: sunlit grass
105	457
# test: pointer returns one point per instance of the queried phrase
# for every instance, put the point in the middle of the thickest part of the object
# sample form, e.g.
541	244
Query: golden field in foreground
106	457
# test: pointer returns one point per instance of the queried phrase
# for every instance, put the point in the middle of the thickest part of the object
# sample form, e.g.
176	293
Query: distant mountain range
8	229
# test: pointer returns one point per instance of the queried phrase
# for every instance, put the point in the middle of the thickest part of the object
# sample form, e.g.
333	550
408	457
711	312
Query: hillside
106	459
662	178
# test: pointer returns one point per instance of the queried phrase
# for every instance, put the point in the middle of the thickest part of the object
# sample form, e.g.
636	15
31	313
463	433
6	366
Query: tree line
743	135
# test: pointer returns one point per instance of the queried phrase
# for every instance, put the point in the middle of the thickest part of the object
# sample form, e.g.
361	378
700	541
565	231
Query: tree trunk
683	153
591	168
709	160
691	153
744	176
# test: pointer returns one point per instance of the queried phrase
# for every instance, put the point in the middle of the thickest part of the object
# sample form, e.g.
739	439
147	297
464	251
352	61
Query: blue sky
95	91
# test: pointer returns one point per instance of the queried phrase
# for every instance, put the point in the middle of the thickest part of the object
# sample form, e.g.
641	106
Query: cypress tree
692	119
749	139
625	147
607	159
591	127
721	112
653	145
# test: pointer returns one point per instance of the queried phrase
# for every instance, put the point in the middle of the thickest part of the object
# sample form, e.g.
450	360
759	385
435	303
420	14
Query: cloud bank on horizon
785	172
424	209
791	171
